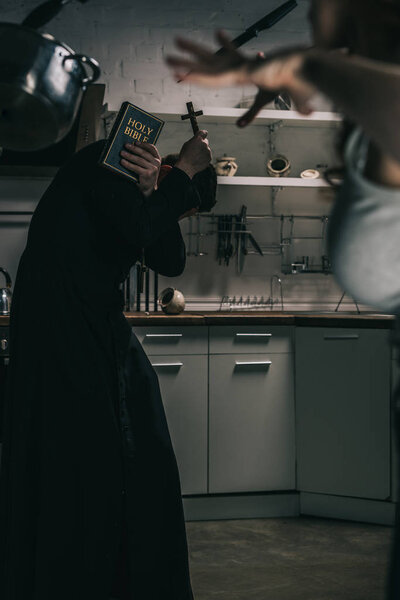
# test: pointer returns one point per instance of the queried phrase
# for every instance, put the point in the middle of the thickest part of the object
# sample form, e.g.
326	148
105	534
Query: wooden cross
191	114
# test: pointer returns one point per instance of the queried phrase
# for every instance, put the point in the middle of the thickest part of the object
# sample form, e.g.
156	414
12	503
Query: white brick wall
130	40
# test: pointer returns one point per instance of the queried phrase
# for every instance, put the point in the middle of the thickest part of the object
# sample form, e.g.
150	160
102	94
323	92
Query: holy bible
132	123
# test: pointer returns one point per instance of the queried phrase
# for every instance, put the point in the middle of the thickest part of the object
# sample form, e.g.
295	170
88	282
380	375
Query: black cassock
89	477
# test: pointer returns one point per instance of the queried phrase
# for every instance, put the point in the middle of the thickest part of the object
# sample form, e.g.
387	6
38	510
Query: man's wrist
186	168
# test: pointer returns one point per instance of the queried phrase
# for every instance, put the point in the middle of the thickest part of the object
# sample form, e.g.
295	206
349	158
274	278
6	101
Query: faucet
271	296
300	266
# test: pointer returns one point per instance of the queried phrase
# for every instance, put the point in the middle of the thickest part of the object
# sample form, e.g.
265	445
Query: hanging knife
221	244
242	251
229	247
244	236
237	241
255	245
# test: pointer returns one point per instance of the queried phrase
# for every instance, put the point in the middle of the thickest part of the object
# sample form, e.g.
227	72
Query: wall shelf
274	181
290	118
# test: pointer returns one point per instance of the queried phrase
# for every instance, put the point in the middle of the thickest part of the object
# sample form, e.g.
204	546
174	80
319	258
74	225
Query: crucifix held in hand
192	115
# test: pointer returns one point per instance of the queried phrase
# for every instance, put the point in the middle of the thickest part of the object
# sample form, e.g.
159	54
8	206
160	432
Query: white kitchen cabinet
251	422
248	437
180	357
229	395
343	411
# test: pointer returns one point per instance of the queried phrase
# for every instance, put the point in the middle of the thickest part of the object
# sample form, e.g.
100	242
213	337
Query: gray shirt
364	234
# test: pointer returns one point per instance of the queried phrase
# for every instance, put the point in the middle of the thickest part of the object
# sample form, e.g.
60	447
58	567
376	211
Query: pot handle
7	276
91	62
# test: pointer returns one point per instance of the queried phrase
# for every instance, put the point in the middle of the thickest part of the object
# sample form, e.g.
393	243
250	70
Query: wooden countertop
344	319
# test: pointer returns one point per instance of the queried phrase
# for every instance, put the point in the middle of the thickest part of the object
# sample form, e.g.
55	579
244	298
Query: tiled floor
288	559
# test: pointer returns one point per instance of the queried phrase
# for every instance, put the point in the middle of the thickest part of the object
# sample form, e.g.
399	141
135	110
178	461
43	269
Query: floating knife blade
265	23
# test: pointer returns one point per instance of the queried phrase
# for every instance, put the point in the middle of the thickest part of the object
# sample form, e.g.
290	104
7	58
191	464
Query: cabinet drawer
250	339
354	338
177	340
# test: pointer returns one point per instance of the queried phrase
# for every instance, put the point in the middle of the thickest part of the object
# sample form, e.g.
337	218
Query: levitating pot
42	82
172	301
41	87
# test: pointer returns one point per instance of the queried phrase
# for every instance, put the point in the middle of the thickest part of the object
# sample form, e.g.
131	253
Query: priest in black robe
90	497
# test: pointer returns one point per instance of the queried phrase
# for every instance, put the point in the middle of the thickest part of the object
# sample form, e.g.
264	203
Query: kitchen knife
255	245
237	241
243	239
229	246
265	23
221	238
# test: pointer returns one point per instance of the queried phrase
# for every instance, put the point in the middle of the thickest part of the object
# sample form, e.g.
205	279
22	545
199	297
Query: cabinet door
251	423
183	382
343	411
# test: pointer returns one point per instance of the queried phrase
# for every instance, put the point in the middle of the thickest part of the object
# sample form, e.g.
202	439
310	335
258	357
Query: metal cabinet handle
163	335
253	334
177	364
341	337
263	362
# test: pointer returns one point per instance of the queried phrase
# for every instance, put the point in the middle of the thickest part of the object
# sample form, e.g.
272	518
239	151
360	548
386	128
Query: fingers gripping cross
192	115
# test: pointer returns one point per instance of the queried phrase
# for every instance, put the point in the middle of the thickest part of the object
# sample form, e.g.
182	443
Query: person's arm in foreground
366	91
